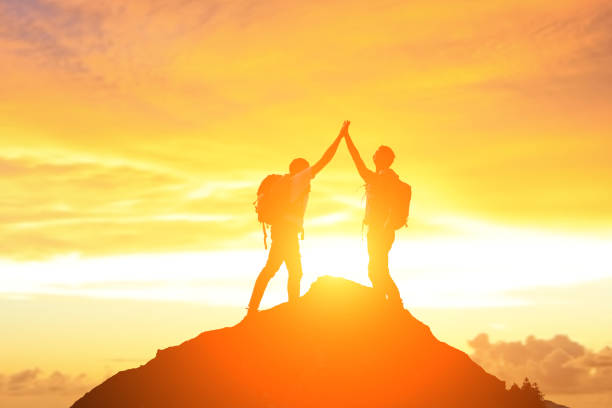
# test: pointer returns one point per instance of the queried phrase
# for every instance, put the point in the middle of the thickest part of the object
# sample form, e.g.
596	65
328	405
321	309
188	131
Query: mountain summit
339	345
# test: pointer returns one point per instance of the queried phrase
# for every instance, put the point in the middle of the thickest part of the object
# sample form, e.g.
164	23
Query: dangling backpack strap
265	233
365	217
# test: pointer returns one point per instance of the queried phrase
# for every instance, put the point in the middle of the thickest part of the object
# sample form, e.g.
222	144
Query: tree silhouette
531	392
528	395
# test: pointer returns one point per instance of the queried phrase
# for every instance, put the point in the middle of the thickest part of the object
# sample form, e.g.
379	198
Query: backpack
272	200
389	204
400	205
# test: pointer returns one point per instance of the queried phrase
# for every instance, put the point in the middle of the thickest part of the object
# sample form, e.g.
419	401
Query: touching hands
331	150
344	129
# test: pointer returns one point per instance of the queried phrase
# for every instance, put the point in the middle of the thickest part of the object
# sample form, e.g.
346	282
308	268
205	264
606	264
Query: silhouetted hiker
281	202
387	206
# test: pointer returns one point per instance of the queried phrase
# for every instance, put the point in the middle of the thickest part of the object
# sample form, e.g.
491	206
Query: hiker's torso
379	190
292	218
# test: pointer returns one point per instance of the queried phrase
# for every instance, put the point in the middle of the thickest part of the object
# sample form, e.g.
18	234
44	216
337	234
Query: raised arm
365	173
330	152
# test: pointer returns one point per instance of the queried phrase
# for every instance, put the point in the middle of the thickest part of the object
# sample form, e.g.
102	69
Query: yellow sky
131	130
135	118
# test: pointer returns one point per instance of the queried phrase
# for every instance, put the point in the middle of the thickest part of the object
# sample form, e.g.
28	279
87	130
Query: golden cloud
558	365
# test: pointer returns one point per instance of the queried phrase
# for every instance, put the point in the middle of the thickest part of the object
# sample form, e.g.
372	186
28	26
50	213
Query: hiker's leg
293	260
387	282
375	265
275	260
390	288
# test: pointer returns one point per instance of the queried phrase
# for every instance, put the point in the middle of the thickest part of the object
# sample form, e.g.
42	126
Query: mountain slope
550	404
338	346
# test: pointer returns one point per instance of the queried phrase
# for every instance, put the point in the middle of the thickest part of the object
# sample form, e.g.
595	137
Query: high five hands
344	129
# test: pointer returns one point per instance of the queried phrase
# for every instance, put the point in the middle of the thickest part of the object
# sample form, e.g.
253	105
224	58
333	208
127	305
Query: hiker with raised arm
387	206
281	204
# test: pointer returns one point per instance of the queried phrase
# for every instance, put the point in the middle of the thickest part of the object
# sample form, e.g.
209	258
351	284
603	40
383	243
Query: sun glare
487	266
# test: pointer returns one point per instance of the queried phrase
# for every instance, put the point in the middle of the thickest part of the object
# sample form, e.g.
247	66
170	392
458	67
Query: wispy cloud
54	34
95	208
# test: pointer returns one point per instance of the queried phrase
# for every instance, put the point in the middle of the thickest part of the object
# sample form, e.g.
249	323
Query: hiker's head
298	165
383	157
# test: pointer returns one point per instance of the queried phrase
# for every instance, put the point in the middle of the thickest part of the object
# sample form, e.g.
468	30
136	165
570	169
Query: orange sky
119	116
143	128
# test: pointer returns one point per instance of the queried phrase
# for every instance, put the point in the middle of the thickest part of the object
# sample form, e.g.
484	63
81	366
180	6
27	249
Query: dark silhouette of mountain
339	345
550	404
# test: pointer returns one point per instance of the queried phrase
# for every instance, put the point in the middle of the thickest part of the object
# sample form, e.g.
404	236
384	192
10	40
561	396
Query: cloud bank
558	365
